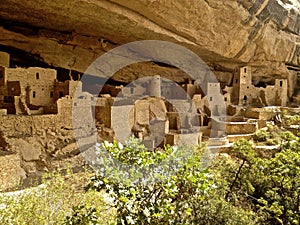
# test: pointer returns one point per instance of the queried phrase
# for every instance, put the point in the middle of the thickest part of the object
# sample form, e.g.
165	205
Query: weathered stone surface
191	139
122	121
10	171
72	34
240	128
266	113
237	137
42	142
28	151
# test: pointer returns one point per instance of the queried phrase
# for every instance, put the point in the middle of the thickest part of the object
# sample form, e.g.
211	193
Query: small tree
244	152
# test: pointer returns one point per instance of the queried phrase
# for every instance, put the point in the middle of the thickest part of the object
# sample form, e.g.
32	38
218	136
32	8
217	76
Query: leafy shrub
269	187
169	186
287	136
51	202
271	141
292	120
279	188
152	187
83	215
261	136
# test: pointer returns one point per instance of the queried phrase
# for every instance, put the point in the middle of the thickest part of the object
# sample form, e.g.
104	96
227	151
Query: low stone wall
240	128
20	125
266	113
237	137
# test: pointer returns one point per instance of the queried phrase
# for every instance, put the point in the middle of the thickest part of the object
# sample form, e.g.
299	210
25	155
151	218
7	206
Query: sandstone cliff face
72	34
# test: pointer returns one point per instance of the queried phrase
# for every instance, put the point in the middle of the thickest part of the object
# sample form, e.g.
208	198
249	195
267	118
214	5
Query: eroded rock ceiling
225	33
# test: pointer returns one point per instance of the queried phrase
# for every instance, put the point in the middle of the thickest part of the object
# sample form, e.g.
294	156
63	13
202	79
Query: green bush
271	141
292	120
240	189
83	215
261	136
151	187
51	202
268	187
167	186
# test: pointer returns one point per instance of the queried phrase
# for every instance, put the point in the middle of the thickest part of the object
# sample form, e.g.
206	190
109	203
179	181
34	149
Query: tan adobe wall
167	91
240	128
73	86
64	109
241	85
270	95
82	115
40	94
36	83
261	113
213	90
275	96
281	86
69	87
103	115
214	97
173	91
4	59
251	93
155	86
190	89
126	91
18	125
2	113
245	85
235	89
227	98
122	121
244	92
142	112
31	75
191	139
103	111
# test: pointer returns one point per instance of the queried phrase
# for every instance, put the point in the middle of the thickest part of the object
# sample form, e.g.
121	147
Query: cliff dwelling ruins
36	114
150	112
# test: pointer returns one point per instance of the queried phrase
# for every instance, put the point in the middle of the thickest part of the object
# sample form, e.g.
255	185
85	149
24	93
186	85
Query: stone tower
155	86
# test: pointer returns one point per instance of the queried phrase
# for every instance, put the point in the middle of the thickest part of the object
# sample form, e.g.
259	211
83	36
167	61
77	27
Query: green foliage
169	186
217	211
270	187
152	187
83	215
292	120
261	136
52	201
289	141
268	136
242	189
271	141
243	150
280	188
